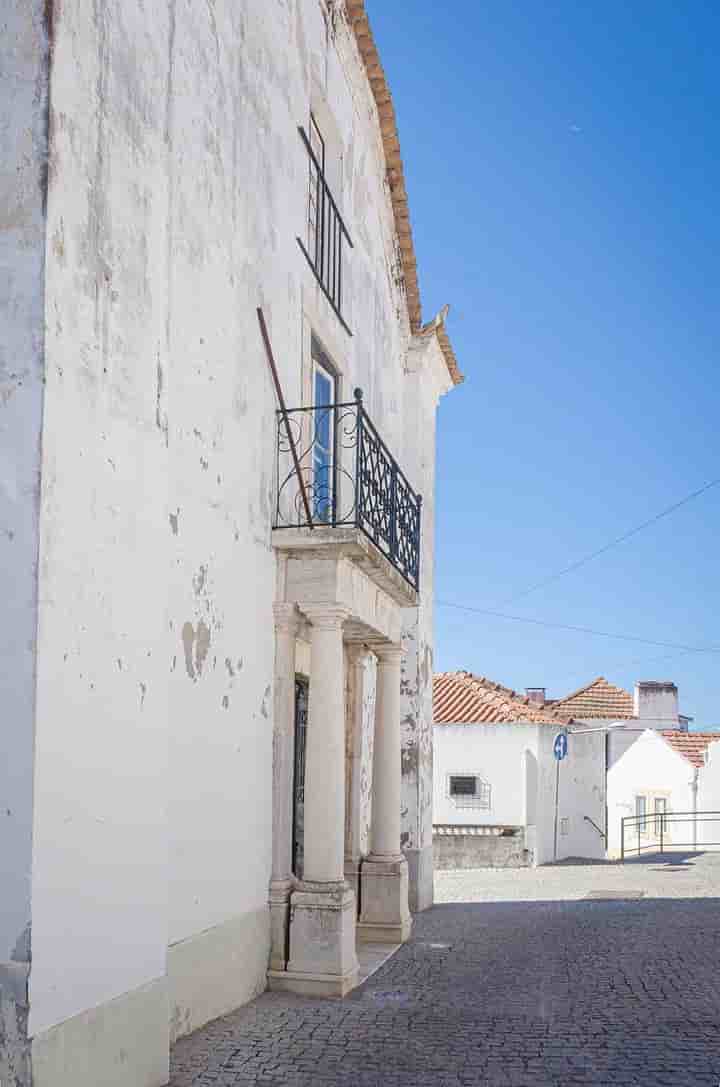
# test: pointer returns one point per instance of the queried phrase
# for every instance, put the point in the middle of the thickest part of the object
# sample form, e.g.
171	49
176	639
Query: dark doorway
301	707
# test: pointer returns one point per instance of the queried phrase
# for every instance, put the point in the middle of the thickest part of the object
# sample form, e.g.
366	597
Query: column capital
287	617
388	653
326	616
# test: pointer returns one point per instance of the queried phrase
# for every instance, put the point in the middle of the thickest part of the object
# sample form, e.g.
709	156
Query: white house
212	612
663	773
499	794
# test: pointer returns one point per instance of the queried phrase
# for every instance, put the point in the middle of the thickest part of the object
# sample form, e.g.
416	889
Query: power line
578	630
613	543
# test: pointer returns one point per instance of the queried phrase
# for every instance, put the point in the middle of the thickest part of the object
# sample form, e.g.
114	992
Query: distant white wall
709	793
494	752
23	165
518	762
581	792
650	768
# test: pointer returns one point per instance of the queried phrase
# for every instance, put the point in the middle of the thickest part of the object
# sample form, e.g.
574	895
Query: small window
468	791
660	814
641	813
462	786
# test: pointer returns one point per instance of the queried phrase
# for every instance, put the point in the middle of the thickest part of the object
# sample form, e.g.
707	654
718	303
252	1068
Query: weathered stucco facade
154	187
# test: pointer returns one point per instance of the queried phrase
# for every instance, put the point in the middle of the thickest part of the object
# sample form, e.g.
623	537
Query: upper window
327	237
316	163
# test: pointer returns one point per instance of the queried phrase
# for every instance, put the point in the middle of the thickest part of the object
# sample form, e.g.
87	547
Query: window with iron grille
468	791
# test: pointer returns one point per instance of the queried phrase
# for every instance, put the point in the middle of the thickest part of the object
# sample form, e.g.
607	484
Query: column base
385	916
420	872
322	941
352	878
279	903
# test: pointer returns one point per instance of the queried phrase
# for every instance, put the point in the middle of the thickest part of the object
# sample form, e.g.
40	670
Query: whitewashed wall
494	752
650	768
581	792
178	185
514	758
709	794
23	164
426	381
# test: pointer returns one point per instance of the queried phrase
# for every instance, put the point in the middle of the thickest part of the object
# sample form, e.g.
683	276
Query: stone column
281	882
360	730
385	915
322	928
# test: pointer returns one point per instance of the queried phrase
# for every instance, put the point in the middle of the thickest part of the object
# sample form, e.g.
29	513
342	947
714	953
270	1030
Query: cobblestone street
536	980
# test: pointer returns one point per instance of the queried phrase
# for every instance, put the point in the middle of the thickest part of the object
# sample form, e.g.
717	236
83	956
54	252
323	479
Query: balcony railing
349	477
326	235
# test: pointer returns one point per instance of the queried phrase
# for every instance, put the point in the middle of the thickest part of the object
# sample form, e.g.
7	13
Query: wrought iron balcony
326	235
333	469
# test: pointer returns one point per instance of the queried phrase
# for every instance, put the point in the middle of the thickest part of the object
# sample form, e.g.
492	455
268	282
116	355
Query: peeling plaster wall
103	656
23	163
178	187
426	381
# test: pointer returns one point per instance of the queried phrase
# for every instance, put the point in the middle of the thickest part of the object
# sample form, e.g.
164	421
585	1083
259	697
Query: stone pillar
385	916
322	927
281	882
360	732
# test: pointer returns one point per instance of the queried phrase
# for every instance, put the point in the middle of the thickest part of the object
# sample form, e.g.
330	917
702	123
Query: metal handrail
662	821
594	824
356	482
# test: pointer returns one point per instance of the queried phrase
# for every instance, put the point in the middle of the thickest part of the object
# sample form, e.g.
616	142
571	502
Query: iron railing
326	234
594	824
659	832
349	477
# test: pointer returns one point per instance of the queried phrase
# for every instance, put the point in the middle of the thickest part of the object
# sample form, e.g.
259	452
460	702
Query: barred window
468	791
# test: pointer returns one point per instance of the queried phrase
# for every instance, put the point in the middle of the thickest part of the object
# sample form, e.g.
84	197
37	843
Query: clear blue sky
563	169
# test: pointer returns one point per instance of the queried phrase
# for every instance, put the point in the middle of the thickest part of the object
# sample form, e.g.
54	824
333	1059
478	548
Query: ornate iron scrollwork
351	478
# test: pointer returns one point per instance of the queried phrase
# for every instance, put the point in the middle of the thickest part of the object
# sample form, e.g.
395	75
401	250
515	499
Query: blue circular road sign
560	746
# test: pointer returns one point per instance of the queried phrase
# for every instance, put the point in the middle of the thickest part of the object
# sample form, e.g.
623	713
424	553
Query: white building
192	674
653	704
496	774
665	773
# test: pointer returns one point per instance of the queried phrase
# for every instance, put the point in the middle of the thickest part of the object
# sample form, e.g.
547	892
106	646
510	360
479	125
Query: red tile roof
463	698
598	699
691	745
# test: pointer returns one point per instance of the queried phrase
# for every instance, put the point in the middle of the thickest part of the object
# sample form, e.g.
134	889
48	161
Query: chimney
536	695
656	703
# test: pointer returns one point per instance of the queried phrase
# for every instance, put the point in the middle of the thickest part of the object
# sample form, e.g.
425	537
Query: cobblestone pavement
553	990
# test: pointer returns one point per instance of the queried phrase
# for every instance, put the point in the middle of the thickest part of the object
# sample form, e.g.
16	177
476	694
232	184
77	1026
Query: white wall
709	793
581	792
494	752
649	768
23	162
426	381
518	762
104	646
177	190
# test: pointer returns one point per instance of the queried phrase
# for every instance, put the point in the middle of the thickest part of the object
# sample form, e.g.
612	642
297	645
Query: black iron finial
358	394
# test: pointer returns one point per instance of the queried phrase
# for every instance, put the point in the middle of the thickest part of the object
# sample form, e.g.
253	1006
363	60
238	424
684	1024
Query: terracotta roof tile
691	745
598	699
463	698
358	19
